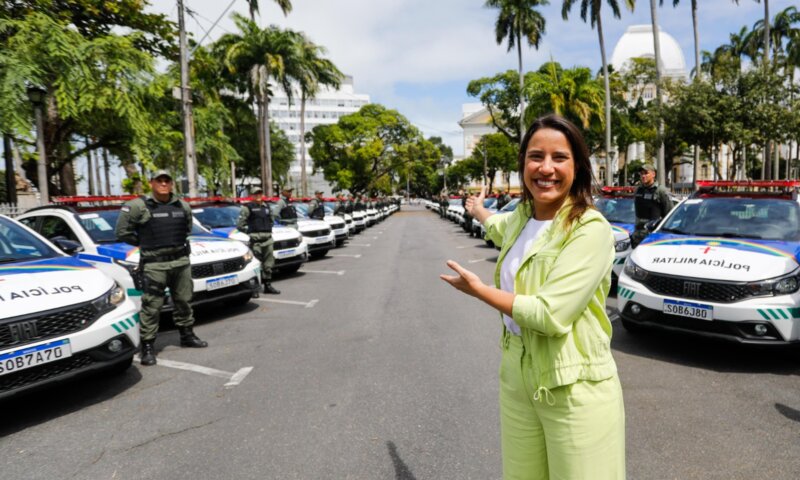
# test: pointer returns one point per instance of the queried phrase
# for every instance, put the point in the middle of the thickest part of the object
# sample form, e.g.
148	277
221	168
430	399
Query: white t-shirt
512	260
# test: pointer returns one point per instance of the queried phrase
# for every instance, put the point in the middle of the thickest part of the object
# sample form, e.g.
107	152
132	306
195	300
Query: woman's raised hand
465	281
475	203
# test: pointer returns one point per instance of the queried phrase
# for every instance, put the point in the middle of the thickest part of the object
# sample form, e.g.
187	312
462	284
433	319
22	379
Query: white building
325	108
637	42
475	123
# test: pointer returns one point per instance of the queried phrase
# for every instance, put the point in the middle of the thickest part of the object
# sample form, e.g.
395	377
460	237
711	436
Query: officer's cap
287	189
257	191
160	173
648	168
318	192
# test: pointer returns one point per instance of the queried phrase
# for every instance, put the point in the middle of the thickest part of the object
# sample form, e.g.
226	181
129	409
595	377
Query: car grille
50	324
337	226
283	244
43	372
721	292
217	268
317	233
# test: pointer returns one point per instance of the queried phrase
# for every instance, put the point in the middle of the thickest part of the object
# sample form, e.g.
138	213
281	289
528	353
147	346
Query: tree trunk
107	174
660	166
609	175
129	165
766	33
267	141
11	180
90	170
697	73
303	174
521	88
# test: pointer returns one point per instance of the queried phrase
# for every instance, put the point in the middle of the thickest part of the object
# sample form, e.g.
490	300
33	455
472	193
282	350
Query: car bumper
90	352
735	322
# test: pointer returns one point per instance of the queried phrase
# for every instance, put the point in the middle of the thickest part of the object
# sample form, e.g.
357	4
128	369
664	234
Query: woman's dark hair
581	191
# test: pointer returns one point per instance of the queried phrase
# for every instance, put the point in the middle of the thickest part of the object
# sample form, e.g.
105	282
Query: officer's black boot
189	339
148	355
268	288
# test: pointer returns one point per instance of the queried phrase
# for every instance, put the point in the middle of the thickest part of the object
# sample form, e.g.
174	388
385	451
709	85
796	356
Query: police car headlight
634	271
786	285
110	299
622	245
248	256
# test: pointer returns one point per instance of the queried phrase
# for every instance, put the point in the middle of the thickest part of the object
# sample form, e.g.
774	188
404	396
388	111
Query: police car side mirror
70	247
652	224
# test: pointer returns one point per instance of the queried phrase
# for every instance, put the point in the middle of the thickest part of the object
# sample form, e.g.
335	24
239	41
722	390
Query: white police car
318	235
222	269
724	264
288	248
59	316
617	205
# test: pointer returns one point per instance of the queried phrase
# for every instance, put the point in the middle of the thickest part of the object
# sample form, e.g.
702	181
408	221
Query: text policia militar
38	292
702	261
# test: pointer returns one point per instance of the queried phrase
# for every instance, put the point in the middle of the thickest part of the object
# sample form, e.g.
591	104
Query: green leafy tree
497	153
592	10
573	93
257	55
95	88
311	71
515	20
500	95
363	148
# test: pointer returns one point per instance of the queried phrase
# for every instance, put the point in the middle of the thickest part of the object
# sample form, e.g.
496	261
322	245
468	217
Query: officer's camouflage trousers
175	275
261	244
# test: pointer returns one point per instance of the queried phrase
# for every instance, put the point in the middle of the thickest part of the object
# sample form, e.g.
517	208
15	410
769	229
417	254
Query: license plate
33	356
688	309
221	282
285	253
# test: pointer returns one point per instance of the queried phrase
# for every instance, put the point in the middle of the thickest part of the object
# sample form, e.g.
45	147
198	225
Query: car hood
205	248
308	224
716	258
620	231
30	287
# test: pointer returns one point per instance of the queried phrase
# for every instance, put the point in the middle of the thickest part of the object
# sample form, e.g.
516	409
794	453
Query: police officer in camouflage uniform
160	224
340	205
316	210
651	201
288	215
256	221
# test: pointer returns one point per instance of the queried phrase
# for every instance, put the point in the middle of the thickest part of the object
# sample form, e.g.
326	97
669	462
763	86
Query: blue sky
417	56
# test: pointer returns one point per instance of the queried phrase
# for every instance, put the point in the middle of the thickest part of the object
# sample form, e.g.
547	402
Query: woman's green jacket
561	289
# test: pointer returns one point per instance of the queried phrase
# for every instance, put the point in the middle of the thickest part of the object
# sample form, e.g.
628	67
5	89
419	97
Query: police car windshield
490	203
619	210
510	206
19	245
301	209
217	217
101	223
455	201
757	218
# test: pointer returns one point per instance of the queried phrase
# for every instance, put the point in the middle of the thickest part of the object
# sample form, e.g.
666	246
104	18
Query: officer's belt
164	258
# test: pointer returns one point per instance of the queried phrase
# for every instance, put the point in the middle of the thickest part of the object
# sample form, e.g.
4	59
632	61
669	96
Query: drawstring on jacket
547	397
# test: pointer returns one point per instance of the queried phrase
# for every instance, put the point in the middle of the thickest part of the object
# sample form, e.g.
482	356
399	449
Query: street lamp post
445	162
36	95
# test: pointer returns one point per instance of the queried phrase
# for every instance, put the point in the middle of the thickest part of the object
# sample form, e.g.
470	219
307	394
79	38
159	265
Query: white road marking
359	245
375	238
343	255
329	272
289	302
481	260
237	377
233	378
463	246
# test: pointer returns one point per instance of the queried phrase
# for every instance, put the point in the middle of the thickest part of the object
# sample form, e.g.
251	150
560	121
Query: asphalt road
376	369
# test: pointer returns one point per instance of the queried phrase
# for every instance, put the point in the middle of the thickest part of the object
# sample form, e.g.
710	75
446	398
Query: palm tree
285	5
311	71
697	75
573	93
518	18
592	9
260	54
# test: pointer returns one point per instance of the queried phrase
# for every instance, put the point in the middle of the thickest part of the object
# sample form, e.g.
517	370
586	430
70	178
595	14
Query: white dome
637	42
